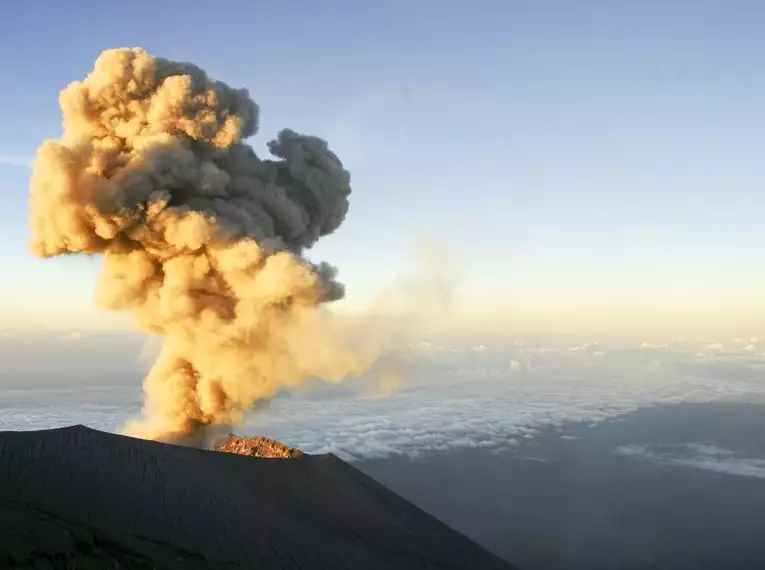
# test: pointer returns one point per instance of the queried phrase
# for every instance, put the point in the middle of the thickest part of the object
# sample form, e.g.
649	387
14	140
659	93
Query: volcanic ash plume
201	240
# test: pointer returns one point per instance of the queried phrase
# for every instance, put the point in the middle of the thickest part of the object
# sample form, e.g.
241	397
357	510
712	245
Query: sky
585	165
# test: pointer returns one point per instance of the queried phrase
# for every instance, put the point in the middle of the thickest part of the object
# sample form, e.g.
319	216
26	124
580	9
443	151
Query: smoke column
202	241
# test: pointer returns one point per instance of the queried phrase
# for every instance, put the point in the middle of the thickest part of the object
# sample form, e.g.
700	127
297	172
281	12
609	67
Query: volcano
80	498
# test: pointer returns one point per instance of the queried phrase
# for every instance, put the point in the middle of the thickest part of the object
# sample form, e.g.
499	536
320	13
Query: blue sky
572	157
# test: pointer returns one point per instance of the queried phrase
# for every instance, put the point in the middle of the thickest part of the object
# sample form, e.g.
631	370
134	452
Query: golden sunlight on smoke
202	241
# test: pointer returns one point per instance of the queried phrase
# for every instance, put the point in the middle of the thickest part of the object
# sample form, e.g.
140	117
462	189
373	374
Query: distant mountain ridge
80	498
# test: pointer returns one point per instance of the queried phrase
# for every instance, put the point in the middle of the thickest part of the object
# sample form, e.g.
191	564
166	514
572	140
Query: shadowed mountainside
80	498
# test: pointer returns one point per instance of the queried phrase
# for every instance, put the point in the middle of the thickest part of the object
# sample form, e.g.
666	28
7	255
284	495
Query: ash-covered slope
77	497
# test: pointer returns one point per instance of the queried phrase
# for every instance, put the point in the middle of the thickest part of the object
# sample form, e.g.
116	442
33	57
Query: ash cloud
202	241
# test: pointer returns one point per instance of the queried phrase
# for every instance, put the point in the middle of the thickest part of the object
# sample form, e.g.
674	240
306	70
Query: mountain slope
98	499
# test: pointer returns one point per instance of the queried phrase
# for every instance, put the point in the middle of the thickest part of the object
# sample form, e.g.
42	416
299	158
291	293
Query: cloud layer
487	396
698	456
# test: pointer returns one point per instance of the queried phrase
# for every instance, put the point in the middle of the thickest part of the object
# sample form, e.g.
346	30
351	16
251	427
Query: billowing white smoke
201	239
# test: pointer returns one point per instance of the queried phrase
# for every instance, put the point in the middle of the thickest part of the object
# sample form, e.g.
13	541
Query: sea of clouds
446	395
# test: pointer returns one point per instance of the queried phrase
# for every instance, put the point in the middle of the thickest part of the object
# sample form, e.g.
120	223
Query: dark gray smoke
201	239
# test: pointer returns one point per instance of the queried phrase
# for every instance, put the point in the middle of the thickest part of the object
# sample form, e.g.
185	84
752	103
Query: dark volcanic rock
34	539
80	498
